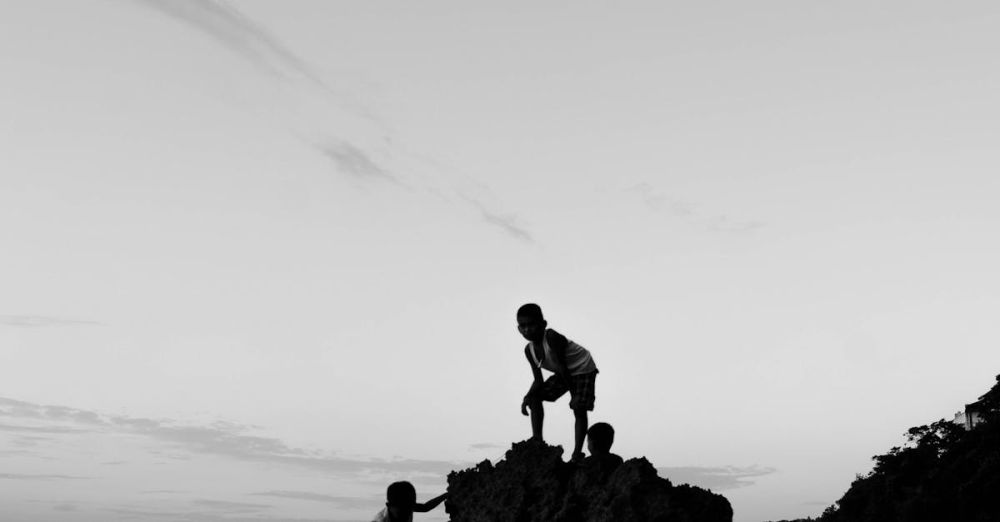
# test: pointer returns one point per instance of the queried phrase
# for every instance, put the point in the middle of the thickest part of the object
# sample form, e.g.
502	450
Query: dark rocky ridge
533	484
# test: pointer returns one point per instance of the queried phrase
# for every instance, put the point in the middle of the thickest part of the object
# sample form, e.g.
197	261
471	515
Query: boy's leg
581	431
581	401
552	389
537	418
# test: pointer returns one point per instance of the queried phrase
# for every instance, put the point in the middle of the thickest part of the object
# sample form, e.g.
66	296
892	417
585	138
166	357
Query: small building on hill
970	416
975	413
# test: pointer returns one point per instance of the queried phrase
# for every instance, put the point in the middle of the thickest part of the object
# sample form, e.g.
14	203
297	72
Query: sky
260	259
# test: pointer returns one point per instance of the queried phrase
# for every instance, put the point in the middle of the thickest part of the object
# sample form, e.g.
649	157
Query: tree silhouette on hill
944	472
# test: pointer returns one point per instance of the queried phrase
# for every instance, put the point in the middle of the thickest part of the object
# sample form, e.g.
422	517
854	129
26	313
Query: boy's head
600	436
400	498
530	322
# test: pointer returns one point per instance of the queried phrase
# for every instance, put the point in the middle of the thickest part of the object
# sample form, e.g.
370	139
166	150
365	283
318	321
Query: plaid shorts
581	390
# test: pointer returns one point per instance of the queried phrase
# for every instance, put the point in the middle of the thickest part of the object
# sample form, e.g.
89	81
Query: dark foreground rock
533	484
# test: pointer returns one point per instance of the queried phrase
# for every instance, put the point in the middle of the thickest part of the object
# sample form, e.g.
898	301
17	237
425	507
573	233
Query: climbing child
401	503
573	370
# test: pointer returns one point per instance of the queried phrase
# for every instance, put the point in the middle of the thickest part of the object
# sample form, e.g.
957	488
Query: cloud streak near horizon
231	440
41	321
38	476
220	439
484	446
204	513
340	501
717	478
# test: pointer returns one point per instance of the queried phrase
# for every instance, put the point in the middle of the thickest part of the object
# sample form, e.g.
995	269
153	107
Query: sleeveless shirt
578	358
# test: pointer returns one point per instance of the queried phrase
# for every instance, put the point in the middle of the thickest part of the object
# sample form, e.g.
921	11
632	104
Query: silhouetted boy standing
573	370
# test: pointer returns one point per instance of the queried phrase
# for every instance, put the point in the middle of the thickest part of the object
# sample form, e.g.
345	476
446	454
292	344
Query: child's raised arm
430	504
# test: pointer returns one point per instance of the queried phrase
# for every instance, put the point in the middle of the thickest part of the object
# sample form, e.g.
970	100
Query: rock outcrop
533	484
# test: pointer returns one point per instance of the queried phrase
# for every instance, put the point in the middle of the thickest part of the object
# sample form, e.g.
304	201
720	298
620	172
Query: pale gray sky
260	259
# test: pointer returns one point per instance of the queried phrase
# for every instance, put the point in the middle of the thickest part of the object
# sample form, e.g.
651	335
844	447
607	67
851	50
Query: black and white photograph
467	261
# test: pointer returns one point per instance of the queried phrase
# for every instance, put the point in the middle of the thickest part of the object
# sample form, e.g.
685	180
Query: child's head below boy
401	498
600	436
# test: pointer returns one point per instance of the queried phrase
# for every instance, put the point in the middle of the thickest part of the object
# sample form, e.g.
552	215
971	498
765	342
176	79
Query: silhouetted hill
533	484
944	473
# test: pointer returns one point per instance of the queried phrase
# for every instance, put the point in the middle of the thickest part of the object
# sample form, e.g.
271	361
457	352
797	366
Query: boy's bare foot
577	458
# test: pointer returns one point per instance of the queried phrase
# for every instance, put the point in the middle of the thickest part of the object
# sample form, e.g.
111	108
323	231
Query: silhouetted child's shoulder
603	463
595	470
611	460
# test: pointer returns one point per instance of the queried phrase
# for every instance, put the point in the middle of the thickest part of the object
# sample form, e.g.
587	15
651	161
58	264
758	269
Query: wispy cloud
354	161
726	224
483	446
40	429
341	501
717	478
340	142
203	515
222	439
359	164
331	136
29	441
508	223
228	26
231	507
681	208
35	476
23	453
41	321
660	202
505	221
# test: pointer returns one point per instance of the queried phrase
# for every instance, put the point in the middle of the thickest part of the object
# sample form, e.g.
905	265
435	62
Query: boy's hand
524	407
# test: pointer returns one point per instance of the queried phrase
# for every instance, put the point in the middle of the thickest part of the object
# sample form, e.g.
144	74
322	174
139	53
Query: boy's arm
536	372
430	504
536	382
